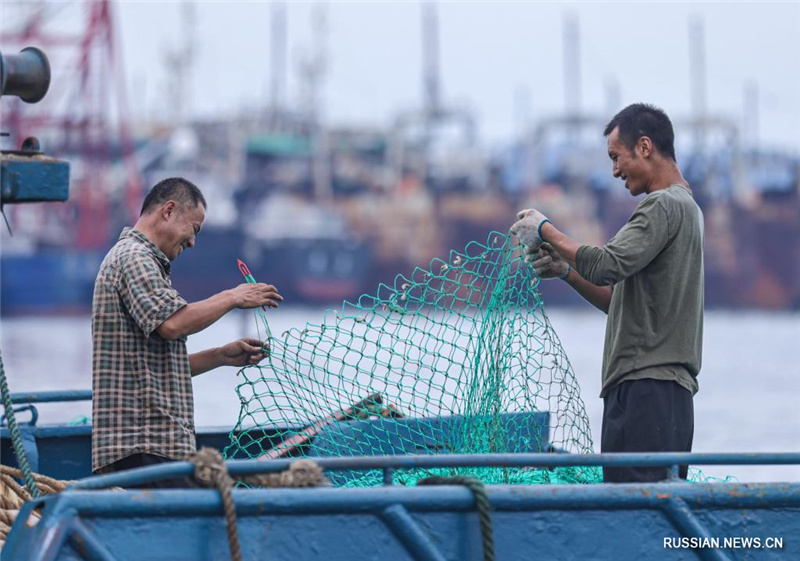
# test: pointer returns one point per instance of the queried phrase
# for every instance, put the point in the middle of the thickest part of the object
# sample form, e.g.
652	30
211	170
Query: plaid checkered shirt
142	383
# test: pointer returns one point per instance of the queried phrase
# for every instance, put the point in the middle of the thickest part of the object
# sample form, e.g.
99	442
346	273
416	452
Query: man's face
626	164
183	225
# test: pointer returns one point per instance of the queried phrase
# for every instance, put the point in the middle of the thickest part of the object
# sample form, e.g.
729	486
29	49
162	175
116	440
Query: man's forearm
205	361
564	245
196	316
597	296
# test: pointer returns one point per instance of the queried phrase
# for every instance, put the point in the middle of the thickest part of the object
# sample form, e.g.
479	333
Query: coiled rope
13	496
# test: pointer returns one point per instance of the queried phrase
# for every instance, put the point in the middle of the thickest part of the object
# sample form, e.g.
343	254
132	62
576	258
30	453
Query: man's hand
528	228
547	263
254	295
243	352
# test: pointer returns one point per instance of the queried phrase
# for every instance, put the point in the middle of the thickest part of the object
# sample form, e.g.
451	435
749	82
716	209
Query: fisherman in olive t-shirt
649	280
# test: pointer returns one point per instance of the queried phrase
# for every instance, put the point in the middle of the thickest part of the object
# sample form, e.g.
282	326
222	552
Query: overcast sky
489	53
504	60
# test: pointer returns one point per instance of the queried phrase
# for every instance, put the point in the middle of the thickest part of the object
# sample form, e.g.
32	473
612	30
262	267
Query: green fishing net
457	358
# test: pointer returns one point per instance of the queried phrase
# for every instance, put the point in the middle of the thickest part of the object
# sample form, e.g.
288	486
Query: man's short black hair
643	119
175	189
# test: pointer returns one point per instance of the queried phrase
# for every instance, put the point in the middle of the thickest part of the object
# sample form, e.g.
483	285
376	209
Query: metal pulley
25	75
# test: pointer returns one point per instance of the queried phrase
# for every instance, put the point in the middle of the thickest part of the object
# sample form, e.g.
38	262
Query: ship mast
277	63
572	71
179	62
313	70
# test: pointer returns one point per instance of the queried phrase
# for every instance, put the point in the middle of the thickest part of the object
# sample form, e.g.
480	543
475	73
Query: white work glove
548	263
529	229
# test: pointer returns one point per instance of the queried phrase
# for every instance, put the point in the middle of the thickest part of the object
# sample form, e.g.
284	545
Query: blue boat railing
387	464
676	501
682	505
82	514
51	396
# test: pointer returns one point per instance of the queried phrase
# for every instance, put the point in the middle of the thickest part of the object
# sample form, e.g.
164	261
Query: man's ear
645	146
168	209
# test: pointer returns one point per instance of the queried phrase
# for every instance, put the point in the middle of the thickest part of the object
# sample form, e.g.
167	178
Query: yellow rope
13	496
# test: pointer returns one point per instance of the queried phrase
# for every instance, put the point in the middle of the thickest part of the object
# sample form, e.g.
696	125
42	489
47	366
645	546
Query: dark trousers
143	460
646	416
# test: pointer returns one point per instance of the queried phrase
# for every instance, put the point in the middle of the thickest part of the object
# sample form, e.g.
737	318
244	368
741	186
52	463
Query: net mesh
459	357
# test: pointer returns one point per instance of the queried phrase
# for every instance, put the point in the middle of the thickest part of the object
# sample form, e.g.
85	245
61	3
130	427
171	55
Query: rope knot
301	473
209	468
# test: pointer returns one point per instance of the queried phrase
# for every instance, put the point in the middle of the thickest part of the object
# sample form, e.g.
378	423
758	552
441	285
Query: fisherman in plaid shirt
143	408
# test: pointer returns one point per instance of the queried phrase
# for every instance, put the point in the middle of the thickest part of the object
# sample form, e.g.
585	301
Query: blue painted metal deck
392	522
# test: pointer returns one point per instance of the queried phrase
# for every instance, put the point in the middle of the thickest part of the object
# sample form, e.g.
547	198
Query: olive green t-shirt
655	264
